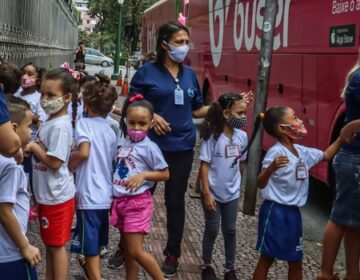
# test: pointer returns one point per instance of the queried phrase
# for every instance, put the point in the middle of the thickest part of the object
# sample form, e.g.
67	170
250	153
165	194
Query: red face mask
296	131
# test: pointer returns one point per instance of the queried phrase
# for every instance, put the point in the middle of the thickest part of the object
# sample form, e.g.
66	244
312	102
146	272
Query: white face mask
177	54
52	106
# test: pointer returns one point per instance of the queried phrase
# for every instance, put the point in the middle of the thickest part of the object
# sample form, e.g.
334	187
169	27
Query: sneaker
230	275
170	266
103	251
116	260
207	273
195	192
80	261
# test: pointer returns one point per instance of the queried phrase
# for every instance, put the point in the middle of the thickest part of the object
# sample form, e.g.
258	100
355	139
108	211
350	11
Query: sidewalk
190	260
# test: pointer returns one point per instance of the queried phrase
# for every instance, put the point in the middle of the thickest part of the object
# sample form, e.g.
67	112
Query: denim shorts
346	206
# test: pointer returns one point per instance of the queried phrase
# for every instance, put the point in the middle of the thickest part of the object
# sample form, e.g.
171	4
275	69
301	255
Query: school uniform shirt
94	175
134	158
224	175
4	113
33	100
13	189
54	187
284	185
158	86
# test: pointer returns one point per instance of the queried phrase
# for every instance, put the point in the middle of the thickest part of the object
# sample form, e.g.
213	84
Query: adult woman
345	214
80	57
173	90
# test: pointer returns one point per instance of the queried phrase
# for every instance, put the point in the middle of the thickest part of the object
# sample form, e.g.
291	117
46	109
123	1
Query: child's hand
135	182
209	202
19	157
27	151
279	162
31	254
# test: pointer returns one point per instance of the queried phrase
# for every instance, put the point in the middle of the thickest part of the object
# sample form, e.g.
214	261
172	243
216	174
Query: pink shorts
132	214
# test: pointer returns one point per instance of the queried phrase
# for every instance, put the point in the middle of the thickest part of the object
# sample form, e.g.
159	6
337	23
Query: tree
107	11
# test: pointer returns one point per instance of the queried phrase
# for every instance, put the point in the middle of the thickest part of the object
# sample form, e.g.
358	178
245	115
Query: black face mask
235	122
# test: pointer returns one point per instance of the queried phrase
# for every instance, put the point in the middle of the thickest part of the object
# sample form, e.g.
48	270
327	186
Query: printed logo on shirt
300	246
44	222
190	92
122	170
39	167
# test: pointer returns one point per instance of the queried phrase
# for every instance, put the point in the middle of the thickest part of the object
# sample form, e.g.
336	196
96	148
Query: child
17	256
93	161
139	164
29	84
284	184
222	146
54	187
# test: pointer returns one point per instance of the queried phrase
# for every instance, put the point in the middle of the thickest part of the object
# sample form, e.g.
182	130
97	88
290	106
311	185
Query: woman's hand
209	202
247	96
160	125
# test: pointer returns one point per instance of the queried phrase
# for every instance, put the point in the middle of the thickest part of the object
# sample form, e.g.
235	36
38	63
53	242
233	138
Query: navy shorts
17	270
91	232
346	206
280	231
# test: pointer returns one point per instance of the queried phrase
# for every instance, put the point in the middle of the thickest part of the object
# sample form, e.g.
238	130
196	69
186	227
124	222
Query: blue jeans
346	206
226	214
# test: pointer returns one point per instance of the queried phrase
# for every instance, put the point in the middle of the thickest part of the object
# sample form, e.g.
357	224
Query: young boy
17	256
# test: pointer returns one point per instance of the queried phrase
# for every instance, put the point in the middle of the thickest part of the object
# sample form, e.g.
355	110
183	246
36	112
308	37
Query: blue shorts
280	231
91	232
17	270
346	206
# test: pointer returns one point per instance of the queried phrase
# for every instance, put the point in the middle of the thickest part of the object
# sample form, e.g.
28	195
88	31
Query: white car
93	56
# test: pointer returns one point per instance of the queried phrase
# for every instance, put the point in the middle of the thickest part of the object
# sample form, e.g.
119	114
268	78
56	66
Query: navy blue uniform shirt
157	85
352	103
4	113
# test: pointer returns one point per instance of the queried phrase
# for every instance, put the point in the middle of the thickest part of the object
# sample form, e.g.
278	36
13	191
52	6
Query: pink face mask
297	131
136	135
27	81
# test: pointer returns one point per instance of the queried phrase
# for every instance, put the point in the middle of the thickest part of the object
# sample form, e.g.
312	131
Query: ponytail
213	123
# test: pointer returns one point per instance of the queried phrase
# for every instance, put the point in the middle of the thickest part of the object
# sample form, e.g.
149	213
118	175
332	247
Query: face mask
53	106
297	131
177	54
235	122
136	135
27	81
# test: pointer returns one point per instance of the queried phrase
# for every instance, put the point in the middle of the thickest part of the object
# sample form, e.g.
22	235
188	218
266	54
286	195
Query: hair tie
76	75
137	97
261	115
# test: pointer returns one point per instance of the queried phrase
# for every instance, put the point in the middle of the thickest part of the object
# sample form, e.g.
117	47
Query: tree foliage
107	11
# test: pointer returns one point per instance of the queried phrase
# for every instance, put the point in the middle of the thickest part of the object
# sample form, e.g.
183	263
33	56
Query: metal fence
44	32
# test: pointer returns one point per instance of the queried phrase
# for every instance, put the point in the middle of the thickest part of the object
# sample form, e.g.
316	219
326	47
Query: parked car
136	60
93	56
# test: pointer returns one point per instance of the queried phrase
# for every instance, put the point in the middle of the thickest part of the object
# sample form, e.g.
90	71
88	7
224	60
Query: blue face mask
177	54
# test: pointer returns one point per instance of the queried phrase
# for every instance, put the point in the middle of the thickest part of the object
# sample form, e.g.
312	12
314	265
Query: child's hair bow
75	74
137	97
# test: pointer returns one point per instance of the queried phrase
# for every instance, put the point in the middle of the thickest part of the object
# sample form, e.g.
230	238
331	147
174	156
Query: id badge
179	96
124	152
232	151
301	172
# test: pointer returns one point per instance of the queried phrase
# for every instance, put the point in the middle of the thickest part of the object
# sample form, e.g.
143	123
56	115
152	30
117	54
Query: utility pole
115	75
262	85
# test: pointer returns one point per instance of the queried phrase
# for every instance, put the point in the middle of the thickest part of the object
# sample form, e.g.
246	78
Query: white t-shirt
54	187
224	175
94	176
134	158
13	189
34	101
283	186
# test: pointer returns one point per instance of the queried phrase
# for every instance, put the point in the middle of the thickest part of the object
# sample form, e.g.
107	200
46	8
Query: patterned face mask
297	131
53	106
235	122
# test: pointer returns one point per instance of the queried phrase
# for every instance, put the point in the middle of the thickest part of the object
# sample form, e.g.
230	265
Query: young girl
139	164
54	187
93	161
222	147
284	184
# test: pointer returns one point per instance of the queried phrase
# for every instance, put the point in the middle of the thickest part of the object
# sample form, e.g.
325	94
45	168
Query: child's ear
280	128
68	97
226	114
15	126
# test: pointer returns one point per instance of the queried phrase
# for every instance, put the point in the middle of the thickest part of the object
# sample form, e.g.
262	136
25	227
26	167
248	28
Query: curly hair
10	76
99	96
214	122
